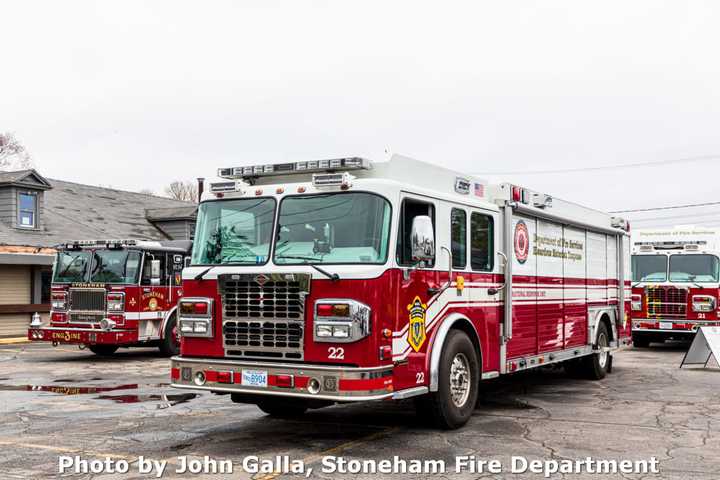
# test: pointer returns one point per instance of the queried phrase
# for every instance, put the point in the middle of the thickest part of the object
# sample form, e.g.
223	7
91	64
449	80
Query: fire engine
108	294
676	279
321	282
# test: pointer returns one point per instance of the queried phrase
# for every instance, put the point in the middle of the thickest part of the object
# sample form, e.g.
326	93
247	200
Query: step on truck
676	280
321	282
109	294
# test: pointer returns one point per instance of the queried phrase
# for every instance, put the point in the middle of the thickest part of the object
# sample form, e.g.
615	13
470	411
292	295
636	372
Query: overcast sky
136	94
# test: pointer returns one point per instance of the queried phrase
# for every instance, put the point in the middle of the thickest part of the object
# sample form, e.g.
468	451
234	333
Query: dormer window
27	209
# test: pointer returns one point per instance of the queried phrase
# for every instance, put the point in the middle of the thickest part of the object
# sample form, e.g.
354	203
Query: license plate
254	378
666	325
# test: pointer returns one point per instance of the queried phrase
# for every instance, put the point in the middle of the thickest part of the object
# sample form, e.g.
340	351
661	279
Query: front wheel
459	376
170	342
103	350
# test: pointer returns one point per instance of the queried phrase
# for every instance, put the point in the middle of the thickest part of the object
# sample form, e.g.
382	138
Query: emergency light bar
350	163
99	243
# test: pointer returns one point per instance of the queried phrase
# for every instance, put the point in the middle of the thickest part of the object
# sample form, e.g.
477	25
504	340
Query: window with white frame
27	210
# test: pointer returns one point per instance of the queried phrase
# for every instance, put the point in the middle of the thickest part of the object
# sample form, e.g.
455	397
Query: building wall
15	289
177	229
8	199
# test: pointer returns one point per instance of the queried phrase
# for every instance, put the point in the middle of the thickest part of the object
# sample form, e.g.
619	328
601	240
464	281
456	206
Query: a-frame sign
706	344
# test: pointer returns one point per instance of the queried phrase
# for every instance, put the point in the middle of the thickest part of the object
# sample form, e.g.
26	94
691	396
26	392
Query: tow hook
55	344
82	346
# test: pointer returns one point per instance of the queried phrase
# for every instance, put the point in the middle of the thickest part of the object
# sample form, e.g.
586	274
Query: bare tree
13	155
185	191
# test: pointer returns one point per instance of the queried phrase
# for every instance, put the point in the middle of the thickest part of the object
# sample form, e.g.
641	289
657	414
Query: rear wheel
103	350
459	376
595	366
282	408
640	340
170	343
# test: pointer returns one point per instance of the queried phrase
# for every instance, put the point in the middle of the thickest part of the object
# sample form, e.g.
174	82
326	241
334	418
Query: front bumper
85	336
671	326
337	384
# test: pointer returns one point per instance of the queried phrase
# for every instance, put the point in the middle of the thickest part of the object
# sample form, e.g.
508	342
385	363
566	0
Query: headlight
59	301
703	303
195	317
115	302
341	321
636	302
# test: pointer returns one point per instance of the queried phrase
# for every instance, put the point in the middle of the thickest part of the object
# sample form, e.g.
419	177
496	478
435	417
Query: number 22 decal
337	353
420	377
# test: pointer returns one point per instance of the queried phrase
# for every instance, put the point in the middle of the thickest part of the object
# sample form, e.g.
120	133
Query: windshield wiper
200	275
332	276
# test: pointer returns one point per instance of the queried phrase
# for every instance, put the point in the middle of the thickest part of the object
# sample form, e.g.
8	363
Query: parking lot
63	401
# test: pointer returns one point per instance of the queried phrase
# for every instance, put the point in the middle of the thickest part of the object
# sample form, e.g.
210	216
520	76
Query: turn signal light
194	308
333	310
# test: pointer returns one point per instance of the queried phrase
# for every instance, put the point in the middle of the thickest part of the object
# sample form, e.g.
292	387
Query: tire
640	340
282	408
103	350
595	366
170	343
459	365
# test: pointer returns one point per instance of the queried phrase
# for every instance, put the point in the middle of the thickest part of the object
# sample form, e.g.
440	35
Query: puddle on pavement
164	401
75	390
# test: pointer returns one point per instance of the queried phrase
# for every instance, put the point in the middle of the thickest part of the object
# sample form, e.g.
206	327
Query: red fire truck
318	282
108	294
676	275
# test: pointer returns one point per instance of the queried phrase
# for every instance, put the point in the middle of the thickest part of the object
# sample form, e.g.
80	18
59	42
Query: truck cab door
421	281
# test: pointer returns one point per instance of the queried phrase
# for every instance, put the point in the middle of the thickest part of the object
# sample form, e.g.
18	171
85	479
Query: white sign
705	345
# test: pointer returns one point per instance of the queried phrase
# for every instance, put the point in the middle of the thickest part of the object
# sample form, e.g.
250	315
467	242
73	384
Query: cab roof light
348	163
343	180
225	187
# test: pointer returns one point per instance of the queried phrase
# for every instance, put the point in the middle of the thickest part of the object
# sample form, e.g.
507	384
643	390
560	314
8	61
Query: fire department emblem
522	242
416	329
153	304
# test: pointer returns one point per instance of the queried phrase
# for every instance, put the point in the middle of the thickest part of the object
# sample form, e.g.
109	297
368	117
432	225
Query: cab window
147	268
458	234
481	242
409	210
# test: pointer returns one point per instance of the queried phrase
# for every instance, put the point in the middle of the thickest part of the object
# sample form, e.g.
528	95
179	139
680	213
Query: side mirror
422	239
155	272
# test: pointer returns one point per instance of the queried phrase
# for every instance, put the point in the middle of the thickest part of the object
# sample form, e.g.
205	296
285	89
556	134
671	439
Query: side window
409	210
27	210
147	268
481	242
458	239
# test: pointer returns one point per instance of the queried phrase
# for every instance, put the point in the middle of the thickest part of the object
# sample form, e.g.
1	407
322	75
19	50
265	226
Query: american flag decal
479	190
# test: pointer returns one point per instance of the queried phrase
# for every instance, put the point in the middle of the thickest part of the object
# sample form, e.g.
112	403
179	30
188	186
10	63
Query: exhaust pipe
201	188
55	344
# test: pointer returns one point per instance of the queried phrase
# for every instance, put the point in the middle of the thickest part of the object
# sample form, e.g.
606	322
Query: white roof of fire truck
405	173
688	239
182	246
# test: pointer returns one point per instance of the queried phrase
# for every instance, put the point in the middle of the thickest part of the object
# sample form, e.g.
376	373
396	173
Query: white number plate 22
254	378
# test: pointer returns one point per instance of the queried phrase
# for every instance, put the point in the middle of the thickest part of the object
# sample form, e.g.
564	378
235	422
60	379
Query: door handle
492	291
433	291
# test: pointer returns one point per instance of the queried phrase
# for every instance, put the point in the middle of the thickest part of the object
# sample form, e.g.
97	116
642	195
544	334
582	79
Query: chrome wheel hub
460	380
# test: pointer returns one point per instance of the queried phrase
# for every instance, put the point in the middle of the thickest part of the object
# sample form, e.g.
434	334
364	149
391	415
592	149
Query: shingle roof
173	213
24	177
74	211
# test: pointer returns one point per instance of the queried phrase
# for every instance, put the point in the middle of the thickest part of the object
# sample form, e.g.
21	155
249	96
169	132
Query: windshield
333	228
234	232
71	266
693	268
115	266
649	268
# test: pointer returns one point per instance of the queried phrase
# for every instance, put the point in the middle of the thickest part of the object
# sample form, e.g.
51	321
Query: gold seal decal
416	329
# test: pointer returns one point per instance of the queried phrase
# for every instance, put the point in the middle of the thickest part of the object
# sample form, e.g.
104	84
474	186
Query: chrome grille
665	301
87	299
264	315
